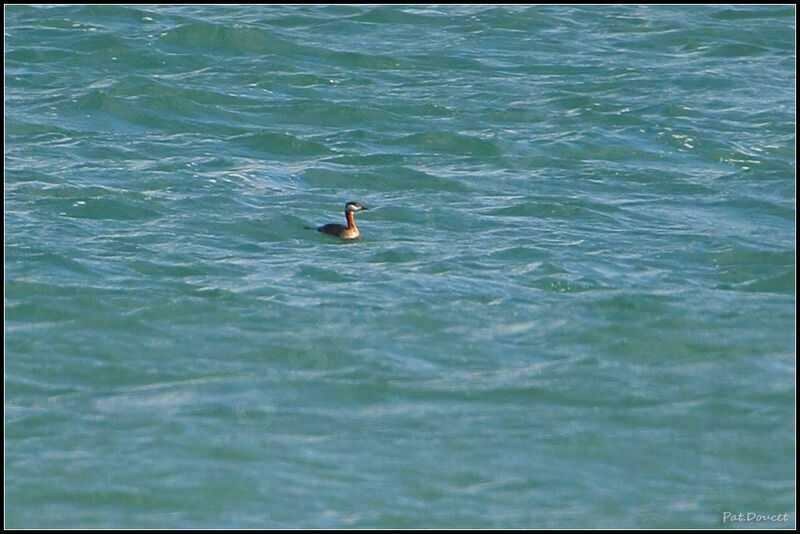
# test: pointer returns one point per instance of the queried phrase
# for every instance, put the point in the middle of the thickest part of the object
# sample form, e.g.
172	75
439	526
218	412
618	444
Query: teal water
572	305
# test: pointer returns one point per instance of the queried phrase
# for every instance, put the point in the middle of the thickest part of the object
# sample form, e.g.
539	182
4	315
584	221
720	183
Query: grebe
345	232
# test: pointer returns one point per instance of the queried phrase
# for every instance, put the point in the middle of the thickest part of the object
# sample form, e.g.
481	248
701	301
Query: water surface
572	305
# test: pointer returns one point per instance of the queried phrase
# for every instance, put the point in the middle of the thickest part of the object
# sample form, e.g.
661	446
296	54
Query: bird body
345	232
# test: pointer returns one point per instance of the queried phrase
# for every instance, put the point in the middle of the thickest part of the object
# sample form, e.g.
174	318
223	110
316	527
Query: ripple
282	144
451	144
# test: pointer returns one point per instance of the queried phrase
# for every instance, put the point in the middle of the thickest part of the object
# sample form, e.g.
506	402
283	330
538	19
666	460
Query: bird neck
351	220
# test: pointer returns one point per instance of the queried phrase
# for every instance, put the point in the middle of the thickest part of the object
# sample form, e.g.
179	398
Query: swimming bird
345	232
